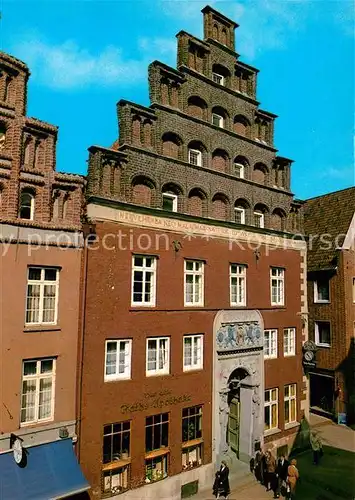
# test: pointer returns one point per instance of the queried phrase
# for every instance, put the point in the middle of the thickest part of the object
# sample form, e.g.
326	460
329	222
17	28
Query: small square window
170	202
193	352
321	290
217	120
322	333
239	215
195	157
239	170
270	344
118	359
289	341
259	219
157	356
217	78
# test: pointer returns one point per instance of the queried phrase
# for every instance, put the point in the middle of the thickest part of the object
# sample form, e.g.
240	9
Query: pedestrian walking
281	475
292	478
271	483
221	483
317	447
258	469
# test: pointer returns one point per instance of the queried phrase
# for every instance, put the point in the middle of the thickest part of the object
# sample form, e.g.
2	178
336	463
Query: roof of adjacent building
327	220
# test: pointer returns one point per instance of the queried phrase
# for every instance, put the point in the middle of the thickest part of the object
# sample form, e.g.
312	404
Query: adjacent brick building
194	283
41	246
330	224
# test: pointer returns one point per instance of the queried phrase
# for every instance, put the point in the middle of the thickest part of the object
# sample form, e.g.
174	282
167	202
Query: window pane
29	367
45	398
34	273
46	366
50	274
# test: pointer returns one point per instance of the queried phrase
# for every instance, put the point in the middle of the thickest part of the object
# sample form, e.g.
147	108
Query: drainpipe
81	337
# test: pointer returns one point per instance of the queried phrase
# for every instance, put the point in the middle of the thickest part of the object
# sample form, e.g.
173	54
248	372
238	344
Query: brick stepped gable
153	156
27	159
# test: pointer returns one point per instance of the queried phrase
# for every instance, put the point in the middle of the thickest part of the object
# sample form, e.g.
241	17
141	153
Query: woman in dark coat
221	482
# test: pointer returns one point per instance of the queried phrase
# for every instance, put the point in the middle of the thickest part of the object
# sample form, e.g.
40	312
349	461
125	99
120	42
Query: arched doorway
234	402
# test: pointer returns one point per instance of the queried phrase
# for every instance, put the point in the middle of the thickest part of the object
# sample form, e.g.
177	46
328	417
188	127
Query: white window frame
160	349
289	342
173	197
198	277
277	281
317	337
32	205
288	399
242	169
354	290
127	351
38	377
270	404
218	78
196	352
240	210
145	269
198	154
240	276
42	282
261	219
317	300
220	120
270	343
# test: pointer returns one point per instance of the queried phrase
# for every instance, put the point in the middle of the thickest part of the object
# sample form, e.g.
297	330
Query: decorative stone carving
223	419
232	336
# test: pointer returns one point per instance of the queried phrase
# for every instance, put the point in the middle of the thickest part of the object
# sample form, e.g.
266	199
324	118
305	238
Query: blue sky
86	55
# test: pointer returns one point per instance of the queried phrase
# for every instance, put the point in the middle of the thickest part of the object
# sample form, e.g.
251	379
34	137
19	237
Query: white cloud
68	66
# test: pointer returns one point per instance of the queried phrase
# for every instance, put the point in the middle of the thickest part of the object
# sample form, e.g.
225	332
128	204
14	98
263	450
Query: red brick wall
109	315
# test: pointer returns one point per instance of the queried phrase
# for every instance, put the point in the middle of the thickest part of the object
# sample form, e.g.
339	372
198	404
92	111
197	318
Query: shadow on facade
347	367
302	440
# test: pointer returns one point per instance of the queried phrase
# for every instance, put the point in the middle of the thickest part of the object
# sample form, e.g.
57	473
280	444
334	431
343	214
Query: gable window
37	400
321	290
42	296
143	280
118	359
259	219
322	333
194	295
195	157
239	170
277	285
290	406
289	341
157	356
27	206
193	352
217	120
156	447
170	202
270	344
191	437
237	284
271	409
116	457
217	78
239	215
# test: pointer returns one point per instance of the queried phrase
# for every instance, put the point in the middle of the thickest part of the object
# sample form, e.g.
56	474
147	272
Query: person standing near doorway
271	483
317	447
281	474
221	484
292	478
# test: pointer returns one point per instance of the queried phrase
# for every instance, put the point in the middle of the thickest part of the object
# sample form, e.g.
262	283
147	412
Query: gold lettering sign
156	400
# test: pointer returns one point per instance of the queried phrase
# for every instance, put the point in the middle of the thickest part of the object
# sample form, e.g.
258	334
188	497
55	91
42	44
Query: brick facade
125	188
42	231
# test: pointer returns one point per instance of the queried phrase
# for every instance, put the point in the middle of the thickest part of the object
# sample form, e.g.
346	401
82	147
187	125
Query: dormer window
195	157
217	120
217	78
27	206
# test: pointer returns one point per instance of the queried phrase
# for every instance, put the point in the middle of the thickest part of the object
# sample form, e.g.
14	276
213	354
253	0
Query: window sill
156	453
193	442
118	379
36	423
322	301
270	357
291	425
271	432
118	464
327	346
157	374
41	328
289	355
193	369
